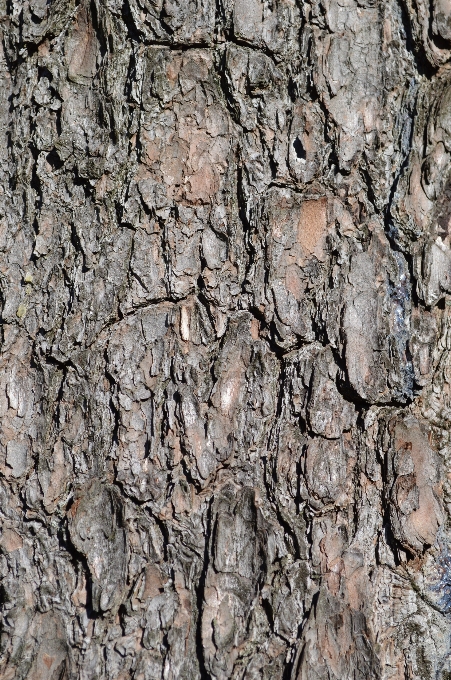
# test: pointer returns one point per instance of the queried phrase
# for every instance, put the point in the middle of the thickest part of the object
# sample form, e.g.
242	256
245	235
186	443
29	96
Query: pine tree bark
225	383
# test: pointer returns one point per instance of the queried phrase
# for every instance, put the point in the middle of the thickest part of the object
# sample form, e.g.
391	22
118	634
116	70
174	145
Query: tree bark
225	383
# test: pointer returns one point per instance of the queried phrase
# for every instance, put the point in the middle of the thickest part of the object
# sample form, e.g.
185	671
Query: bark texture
225	368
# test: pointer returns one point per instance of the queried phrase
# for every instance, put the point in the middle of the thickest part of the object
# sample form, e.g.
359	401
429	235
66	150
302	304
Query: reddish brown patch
173	70
153	582
10	540
82	48
48	660
420	526
73	509
312	227
293	281
44	49
254	329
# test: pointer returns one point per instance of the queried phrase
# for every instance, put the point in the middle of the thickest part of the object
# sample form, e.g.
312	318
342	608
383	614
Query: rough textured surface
225	367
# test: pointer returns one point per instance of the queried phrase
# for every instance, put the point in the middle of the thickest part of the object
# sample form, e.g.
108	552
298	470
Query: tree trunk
225	384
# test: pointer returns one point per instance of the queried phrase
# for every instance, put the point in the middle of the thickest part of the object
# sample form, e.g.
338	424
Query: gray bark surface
225	365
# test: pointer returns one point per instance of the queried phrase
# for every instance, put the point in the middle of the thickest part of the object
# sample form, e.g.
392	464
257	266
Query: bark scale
225	383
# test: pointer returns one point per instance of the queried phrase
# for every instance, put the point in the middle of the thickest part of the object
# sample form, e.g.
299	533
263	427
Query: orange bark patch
312	227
